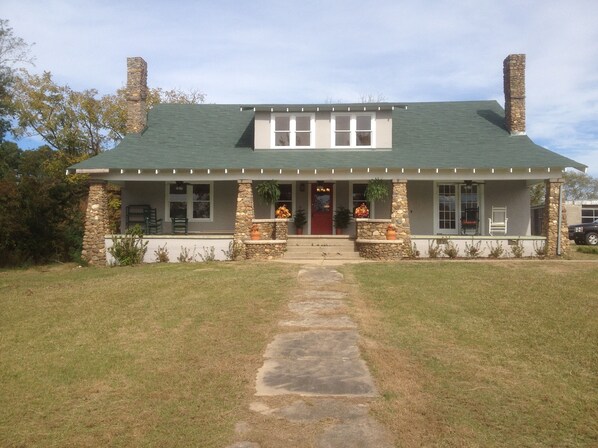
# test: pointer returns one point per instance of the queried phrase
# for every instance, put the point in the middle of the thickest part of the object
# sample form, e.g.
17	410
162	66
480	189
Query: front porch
425	213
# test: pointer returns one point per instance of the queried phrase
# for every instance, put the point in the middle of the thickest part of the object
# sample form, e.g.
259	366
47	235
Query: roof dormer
323	127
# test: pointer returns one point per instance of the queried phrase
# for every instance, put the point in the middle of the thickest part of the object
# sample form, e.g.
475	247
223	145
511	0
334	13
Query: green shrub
434	250
208	254
185	256
129	249
162	254
517	249
473	250
541	250
496	252
450	250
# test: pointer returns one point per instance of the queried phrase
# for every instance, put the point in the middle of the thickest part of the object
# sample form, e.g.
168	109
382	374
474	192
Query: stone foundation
371	229
383	250
265	249
273	240
96	224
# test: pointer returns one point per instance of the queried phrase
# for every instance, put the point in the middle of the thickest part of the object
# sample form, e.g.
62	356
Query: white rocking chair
498	222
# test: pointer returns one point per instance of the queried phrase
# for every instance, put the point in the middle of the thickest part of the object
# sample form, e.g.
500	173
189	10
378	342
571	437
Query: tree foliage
580	186
41	209
577	187
13	50
78	123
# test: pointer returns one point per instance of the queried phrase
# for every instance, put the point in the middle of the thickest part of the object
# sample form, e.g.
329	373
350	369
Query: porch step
315	247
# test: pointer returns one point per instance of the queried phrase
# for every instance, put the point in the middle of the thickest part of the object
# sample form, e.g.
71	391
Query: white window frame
481	193
371	207
352	129
189	193
293	202
293	130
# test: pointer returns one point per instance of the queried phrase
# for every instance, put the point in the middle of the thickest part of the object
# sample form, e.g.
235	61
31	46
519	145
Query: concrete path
314	388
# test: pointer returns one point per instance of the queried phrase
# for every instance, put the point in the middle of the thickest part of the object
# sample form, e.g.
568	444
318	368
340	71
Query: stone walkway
314	388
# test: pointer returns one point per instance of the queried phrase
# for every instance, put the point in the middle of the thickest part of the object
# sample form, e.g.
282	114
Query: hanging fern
268	191
376	190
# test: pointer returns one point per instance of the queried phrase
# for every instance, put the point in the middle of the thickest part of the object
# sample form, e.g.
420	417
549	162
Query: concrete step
321	255
323	241
319	247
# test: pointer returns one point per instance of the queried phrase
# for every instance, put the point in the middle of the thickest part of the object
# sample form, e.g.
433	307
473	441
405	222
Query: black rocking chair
180	225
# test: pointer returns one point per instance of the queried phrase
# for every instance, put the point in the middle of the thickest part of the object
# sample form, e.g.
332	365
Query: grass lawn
160	355
483	354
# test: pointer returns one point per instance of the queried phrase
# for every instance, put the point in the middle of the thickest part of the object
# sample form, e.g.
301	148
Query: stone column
550	222
244	216
96	224
399	213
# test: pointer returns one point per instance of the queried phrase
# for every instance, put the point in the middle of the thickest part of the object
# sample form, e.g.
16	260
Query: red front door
321	209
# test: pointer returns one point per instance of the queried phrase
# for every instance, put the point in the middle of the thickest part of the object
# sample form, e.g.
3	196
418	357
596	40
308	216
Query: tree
13	50
577	187
41	213
78	123
580	186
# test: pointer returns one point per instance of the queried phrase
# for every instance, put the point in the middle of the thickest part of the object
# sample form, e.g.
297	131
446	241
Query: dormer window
353	130
293	130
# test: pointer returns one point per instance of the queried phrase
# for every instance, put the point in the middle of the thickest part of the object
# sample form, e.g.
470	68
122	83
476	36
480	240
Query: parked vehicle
584	233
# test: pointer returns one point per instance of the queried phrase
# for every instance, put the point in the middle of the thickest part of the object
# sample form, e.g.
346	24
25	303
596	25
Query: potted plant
342	218
376	190
300	221
268	191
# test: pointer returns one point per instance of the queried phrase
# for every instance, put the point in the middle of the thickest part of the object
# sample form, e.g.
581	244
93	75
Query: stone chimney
136	95
514	78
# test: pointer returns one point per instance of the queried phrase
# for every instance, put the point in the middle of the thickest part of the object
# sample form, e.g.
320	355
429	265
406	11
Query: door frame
310	184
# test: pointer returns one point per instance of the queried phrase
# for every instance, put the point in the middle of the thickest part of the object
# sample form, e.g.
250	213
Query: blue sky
263	51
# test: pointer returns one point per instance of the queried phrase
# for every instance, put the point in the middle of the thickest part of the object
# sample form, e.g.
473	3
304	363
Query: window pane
364	138
302	139
302	123
201	192
446	207
201	210
283	138
286	192
364	123
343	123
178	209
342	139
359	196
282	124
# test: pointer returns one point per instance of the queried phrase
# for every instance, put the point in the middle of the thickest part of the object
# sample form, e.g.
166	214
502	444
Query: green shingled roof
468	134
